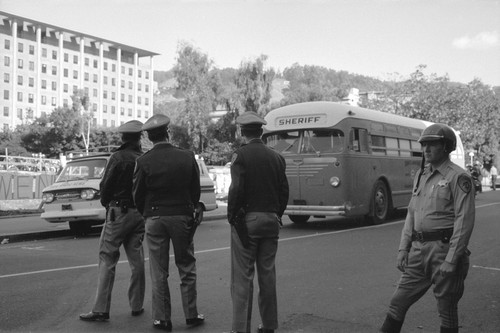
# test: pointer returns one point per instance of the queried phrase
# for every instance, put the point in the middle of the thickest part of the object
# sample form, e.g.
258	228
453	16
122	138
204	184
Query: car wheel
299	219
379	204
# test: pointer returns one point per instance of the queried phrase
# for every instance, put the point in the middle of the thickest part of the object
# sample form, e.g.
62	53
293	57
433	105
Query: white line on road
489	268
227	248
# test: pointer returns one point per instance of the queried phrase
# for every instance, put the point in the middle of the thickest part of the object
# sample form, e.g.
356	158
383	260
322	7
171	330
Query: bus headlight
47	197
88	194
335	181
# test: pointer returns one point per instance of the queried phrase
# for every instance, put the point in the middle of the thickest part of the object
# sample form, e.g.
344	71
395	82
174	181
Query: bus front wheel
379	205
299	218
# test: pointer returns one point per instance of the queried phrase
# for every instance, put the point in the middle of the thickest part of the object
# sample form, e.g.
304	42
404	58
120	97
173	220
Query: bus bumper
316	210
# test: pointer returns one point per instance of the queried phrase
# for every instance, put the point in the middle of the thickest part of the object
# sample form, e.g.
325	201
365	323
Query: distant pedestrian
123	226
166	191
258	197
494	175
433	247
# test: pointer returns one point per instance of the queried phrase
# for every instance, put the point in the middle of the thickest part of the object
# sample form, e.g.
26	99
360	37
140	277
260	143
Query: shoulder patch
234	157
464	183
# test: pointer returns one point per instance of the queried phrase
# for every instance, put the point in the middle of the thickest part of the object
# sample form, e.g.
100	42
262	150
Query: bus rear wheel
379	205
299	218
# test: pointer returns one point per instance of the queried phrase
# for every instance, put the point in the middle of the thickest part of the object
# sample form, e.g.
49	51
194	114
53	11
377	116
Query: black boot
449	329
391	325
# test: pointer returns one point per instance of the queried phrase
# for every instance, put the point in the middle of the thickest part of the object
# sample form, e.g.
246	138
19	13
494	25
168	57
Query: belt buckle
419	236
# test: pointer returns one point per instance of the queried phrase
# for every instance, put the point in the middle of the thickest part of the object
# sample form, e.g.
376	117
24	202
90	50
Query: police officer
124	225
166	190
433	247
259	189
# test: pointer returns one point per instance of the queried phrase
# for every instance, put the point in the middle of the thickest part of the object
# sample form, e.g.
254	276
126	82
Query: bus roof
328	114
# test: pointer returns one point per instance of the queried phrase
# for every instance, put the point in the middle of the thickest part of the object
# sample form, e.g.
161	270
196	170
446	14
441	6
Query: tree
195	82
254	84
10	143
81	104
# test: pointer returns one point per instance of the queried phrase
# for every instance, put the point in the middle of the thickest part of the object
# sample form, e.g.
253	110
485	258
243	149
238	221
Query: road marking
227	248
489	268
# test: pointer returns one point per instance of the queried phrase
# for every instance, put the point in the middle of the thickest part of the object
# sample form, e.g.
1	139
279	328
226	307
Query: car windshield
315	141
83	169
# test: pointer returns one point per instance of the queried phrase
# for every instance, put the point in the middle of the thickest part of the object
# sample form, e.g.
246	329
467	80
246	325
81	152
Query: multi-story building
42	66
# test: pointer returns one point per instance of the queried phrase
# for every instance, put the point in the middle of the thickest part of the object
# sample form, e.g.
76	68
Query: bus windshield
318	141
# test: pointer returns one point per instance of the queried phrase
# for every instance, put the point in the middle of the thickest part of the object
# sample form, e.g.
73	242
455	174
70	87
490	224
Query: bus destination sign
309	120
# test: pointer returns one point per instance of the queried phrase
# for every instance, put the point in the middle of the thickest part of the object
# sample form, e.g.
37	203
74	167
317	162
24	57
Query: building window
104	108
32	49
94	107
95	63
139	86
6	77
86	76
44	84
54	70
113	109
7	44
95	78
75	74
94	92
123	69
105	65
130	112
105	94
122	97
146	88
54	85
138	113
113	81
20	63
19	96
53	101
112	123
86	90
65	87
75	59
6	61
44	68
139	73
6	94
65	102
87	61
44	52
75	89
66	57
113	95
32	66
146	101
130	98
130	71
31	82
5	113
147	75
20	80
20	113
20	47
123	84
113	67
31	98
66	72
138	99
130	85
44	100
146	114
122	111
54	54
105	80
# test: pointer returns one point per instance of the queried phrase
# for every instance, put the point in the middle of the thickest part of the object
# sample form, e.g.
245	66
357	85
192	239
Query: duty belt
428	236
121	203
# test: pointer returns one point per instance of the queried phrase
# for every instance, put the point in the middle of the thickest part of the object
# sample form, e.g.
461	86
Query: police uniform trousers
160	230
127	229
263	229
422	271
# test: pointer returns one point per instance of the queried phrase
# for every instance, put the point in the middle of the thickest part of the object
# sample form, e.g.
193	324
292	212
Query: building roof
29	22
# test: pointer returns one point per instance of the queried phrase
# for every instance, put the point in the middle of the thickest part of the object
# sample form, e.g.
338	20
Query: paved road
333	276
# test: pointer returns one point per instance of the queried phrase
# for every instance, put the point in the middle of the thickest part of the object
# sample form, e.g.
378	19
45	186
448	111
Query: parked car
75	197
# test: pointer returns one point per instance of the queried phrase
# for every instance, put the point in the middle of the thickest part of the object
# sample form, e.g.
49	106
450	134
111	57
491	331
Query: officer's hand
402	260
447	268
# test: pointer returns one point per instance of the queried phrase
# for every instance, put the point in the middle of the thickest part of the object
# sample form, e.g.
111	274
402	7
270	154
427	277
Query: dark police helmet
440	132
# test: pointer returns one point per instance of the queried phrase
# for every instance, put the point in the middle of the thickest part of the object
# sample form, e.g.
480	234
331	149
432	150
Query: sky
384	39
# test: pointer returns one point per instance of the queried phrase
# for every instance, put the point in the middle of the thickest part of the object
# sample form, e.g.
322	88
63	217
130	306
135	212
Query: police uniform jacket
117	181
166	181
258	180
444	199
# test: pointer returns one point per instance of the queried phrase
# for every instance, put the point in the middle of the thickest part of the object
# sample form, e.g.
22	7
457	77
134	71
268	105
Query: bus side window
359	140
